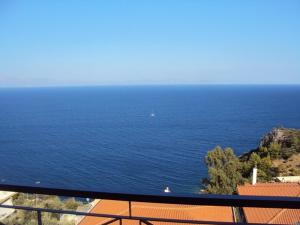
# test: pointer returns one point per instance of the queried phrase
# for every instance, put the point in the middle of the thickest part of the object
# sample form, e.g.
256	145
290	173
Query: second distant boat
152	114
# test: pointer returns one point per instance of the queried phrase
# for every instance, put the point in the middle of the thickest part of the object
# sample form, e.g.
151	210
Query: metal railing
203	199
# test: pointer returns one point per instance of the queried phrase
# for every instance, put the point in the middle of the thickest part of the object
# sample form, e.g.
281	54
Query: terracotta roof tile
184	212
267	215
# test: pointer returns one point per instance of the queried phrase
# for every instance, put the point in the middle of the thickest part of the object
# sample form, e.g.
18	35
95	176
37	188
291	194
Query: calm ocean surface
105	139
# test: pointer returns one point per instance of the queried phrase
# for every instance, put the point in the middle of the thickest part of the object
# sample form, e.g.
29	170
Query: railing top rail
202	199
117	217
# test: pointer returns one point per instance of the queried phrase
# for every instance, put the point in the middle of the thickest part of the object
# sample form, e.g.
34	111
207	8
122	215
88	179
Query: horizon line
140	85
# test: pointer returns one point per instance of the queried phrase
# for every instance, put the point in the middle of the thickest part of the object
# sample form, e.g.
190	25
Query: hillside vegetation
22	217
278	154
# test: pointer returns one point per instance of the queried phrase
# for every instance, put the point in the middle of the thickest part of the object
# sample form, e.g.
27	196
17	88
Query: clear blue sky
149	42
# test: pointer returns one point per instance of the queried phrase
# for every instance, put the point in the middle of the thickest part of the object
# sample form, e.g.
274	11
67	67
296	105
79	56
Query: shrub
70	203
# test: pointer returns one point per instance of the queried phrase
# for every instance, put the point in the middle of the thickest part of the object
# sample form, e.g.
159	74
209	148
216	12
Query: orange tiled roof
184	212
267	215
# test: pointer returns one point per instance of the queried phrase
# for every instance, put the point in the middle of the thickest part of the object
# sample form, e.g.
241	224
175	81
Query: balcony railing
203	199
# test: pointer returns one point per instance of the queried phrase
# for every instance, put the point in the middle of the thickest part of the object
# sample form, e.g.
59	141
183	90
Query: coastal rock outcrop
285	137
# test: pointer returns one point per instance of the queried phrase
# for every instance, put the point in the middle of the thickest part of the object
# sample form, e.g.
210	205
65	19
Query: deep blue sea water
103	138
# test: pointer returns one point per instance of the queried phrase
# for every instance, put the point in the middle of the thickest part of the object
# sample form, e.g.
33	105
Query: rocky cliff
286	138
283	146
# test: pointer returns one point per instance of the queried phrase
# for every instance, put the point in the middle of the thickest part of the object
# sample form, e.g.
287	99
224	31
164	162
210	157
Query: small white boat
152	114
167	190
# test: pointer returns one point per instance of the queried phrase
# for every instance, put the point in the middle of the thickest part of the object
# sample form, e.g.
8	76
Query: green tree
263	151
274	150
296	143
223	170
254	160
263	167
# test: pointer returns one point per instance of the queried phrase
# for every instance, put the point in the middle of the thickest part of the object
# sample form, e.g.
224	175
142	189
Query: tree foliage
274	150
263	164
224	171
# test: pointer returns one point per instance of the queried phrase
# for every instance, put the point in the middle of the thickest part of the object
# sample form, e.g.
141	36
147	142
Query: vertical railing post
129	208
39	215
120	221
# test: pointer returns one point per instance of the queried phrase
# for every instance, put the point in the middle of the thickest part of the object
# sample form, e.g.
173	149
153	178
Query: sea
133	139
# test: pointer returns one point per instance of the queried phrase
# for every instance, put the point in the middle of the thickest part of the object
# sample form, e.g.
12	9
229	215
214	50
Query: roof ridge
281	212
90	209
274	183
276	216
268	185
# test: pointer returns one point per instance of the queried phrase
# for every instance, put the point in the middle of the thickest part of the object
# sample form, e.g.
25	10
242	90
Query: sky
66	43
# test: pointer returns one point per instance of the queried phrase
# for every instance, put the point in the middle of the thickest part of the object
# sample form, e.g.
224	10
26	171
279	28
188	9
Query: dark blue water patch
105	139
